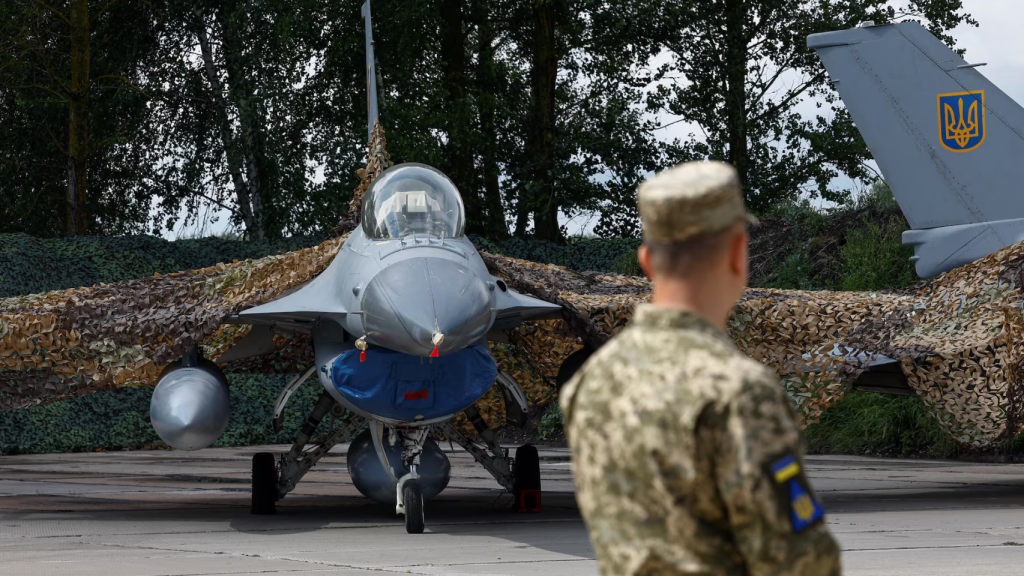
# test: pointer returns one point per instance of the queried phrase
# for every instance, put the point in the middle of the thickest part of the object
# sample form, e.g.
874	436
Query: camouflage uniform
687	458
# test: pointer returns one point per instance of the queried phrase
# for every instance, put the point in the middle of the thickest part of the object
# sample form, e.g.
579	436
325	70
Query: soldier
687	456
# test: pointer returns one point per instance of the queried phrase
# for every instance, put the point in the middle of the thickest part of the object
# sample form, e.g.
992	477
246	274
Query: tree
62	66
740	68
588	141
238	114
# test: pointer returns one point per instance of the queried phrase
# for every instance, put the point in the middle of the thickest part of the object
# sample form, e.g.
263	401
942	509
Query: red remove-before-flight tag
434	354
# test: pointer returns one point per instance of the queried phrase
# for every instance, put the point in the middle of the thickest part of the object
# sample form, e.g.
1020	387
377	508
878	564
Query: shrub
30	265
582	254
550	422
874	258
869	423
119	419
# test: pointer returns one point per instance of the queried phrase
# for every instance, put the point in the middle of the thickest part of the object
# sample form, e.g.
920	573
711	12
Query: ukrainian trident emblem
962	120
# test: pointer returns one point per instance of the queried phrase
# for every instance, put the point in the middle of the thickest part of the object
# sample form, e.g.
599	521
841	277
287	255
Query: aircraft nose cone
409	303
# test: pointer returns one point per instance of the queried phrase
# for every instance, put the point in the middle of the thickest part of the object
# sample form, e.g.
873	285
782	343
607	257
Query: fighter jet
947	140
399	323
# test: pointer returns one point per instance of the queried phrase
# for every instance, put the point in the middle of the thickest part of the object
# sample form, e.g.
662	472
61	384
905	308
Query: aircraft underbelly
404	388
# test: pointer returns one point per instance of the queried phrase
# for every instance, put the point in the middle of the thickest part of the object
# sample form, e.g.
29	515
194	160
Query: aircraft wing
947	140
513	307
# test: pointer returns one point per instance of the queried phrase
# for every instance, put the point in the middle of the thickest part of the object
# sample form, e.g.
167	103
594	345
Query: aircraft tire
526	475
264	483
412	497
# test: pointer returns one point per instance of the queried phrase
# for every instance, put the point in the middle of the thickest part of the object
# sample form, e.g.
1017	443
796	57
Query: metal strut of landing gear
409	491
272	481
520	476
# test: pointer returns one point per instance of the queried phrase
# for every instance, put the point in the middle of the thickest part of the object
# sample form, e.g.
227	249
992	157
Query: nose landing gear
410	491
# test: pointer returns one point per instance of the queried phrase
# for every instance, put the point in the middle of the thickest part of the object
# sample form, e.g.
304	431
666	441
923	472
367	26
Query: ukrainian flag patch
794	493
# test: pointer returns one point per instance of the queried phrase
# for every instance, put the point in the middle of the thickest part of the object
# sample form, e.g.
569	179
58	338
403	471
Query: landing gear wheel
264	483
412	497
526	475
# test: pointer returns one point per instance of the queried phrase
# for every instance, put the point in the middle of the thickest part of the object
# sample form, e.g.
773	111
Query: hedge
597	254
30	265
119	419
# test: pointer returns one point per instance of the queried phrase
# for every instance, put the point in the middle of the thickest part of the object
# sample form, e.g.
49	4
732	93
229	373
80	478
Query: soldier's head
695	237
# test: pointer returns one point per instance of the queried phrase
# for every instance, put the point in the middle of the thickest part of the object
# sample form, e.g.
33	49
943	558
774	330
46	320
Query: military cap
690	199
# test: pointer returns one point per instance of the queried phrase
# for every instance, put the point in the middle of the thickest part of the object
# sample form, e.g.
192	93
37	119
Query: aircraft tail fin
948	141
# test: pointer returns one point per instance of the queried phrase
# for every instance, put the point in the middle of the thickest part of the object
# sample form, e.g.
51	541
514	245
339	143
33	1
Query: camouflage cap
690	199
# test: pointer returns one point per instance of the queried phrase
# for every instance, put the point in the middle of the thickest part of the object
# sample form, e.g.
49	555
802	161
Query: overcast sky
998	41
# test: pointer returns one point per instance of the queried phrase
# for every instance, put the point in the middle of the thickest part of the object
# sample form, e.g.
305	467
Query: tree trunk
545	75
522	214
487	85
78	121
460	156
735	74
240	92
242	196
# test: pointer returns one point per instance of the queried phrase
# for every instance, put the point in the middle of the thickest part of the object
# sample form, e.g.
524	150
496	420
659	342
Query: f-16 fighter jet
399	323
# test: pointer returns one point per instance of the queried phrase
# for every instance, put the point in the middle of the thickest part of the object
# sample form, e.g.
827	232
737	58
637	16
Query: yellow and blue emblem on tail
962	120
804	510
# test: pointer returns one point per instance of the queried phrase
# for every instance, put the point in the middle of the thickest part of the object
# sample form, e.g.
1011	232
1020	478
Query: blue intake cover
401	387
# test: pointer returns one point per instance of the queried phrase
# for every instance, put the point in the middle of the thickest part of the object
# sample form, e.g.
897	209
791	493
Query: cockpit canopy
413	199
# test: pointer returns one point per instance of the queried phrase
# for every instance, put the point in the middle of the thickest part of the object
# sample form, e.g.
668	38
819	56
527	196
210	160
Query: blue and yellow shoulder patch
794	493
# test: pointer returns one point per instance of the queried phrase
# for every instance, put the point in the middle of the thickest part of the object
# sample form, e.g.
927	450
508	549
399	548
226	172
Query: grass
874	258
878	424
551	422
627	263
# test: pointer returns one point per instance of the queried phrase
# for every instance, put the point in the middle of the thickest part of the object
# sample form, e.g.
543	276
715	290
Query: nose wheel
412	501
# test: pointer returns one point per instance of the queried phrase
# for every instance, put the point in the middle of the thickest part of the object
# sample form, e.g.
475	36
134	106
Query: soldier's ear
643	256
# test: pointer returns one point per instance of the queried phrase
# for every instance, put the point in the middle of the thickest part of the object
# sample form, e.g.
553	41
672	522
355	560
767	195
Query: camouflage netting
957	337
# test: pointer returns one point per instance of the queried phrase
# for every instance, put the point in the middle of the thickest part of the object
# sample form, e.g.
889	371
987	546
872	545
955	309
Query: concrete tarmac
167	513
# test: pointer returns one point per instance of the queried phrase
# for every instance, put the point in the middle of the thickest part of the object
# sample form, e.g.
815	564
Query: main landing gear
272	479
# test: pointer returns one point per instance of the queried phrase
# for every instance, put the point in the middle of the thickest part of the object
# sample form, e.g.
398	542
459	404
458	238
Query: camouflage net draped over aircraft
957	338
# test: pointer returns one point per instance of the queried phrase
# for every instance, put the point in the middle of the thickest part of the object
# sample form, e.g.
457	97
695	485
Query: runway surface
178	513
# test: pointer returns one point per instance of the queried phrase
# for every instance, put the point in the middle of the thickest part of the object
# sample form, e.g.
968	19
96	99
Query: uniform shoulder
699	357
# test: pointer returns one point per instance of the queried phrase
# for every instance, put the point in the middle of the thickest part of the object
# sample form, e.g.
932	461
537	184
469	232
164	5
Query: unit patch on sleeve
794	493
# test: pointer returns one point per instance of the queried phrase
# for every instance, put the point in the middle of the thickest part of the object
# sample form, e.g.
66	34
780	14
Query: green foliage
36	93
879	196
627	263
534	109
875	258
550	422
798	271
854	247
734	56
887	425
868	423
119	419
582	254
29	265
